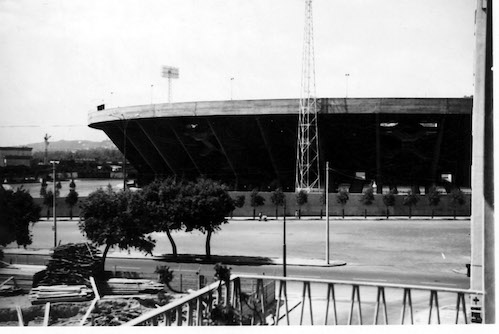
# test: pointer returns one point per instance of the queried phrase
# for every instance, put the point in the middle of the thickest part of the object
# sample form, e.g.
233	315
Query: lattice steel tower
307	148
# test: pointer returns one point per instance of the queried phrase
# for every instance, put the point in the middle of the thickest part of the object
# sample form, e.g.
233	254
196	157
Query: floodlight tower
170	73
307	148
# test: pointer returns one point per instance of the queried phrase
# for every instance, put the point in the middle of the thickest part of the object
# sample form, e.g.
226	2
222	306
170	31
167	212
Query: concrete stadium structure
252	143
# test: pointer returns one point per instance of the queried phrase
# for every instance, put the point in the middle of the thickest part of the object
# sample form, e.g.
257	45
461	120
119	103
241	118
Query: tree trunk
410	212
172	242
254	213
71	213
432	213
104	257
365	213
454	213
48	214
343	213
321	213
387	213
207	246
276	212
299	213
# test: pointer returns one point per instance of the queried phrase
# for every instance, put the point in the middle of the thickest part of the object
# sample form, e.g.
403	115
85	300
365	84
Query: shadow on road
225	259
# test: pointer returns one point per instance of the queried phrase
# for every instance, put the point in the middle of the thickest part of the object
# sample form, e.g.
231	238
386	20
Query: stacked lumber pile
60	293
22	276
130	286
72	264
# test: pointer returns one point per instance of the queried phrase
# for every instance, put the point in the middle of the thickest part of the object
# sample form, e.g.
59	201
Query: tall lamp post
327	212
284	241
53	162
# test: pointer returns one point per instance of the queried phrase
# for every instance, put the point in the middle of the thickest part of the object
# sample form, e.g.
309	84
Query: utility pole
307	148
54	200
46	139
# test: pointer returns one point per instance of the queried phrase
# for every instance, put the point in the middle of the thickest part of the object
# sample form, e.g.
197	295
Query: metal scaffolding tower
307	148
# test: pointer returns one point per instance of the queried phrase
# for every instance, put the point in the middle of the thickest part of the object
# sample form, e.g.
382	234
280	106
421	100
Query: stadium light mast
307	148
170	73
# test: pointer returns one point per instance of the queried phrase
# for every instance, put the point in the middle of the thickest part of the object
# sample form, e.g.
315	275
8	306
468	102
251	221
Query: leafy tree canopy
389	198
71	198
410	199
368	196
433	196
206	203
239	201
457	197
301	198
17	210
256	199
277	197
342	196
117	219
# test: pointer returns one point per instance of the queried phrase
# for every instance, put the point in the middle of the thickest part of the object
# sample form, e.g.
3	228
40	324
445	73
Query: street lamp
327	212
53	162
284	241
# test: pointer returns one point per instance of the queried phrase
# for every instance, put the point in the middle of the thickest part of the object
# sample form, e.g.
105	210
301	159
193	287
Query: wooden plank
20	316
46	315
6	281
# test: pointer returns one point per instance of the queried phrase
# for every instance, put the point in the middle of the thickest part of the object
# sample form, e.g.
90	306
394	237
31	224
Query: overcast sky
60	59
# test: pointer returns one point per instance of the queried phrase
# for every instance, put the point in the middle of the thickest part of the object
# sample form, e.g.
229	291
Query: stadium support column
482	211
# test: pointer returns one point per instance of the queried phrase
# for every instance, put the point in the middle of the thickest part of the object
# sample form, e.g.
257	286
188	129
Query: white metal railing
195	309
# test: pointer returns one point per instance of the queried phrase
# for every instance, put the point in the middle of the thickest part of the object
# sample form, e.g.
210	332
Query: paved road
422	252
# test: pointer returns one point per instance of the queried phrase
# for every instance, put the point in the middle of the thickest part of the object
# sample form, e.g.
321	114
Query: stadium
248	144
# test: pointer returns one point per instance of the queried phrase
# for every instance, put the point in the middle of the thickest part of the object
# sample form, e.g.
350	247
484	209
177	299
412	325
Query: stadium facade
252	143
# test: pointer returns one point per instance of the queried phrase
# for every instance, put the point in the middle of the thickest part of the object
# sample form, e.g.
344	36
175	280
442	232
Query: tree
410	200
433	196
389	200
256	200
342	199
301	199
71	200
119	219
206	204
43	188
166	208
17	210
72	184
367	198
58	188
238	202
277	198
456	199
48	201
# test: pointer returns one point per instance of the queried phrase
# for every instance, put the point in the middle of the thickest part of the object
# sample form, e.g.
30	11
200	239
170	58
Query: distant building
15	156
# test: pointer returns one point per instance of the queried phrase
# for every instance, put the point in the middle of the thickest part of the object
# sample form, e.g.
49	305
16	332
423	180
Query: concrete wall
353	207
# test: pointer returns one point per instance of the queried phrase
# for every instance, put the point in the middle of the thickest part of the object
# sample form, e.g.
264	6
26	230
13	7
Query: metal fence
256	301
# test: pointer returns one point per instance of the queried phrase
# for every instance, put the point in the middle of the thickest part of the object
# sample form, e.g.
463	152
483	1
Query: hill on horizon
72	145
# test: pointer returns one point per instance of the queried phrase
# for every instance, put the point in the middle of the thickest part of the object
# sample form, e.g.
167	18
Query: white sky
59	59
